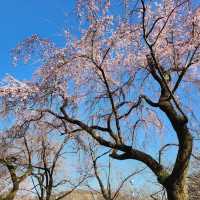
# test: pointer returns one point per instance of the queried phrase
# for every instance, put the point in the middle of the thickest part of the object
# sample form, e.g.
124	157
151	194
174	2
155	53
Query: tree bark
176	184
178	192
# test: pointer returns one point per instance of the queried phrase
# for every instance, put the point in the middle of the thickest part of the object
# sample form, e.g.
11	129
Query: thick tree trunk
176	184
178	192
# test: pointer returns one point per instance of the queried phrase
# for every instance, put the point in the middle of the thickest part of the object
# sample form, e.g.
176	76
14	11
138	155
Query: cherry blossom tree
45	174
33	166
130	74
15	166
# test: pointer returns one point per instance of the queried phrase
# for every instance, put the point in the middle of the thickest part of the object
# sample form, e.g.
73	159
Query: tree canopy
130	74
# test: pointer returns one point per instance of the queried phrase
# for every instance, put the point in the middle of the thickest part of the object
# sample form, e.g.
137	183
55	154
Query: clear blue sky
22	18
